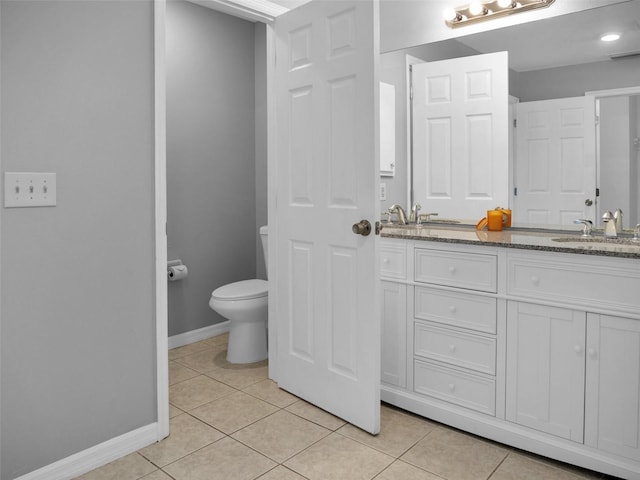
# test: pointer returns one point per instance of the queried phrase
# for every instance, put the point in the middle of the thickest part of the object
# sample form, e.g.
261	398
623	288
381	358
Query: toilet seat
243	290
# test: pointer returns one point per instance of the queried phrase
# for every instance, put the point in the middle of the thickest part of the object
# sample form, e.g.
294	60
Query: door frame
252	10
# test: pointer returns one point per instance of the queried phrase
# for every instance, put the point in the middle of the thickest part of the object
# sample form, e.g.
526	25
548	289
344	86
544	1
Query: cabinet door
613	385
394	333
546	368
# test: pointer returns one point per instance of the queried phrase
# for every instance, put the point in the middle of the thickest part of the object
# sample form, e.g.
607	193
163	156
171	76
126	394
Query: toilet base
247	342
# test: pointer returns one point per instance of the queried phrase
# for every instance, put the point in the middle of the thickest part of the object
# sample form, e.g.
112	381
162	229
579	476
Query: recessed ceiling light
610	37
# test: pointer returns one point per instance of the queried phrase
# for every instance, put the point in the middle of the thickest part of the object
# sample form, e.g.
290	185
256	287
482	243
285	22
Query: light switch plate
29	189
383	191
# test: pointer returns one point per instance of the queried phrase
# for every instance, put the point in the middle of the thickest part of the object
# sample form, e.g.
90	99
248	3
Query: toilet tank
264	230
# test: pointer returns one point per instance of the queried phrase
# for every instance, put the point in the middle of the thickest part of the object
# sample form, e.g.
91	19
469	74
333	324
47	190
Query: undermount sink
606	240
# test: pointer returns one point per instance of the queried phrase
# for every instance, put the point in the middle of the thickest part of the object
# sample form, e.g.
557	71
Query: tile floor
231	422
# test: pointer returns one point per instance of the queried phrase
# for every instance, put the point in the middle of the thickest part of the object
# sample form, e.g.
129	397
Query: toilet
245	304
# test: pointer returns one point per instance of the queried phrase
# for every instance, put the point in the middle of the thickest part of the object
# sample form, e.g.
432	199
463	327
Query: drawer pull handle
452	270
385	260
578	348
452	387
535	280
452	348
592	352
452	309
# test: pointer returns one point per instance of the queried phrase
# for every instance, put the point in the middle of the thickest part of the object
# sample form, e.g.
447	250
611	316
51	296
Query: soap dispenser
609	225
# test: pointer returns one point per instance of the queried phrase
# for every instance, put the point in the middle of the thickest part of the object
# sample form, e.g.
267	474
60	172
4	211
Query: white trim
96	456
253	10
203	333
160	169
614	92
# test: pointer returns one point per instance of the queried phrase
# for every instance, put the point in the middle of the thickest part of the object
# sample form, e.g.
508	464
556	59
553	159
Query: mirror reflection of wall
539	82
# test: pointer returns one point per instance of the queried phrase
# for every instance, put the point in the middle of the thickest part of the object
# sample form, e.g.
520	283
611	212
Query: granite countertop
527	239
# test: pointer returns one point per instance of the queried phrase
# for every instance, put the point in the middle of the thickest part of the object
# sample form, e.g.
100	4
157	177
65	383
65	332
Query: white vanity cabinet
454	344
393	294
535	349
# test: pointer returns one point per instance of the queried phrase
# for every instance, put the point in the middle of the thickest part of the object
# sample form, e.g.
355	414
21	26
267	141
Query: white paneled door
555	164
326	278
460	135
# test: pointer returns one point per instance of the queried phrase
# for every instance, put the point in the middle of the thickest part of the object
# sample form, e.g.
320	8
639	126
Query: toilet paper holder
176	270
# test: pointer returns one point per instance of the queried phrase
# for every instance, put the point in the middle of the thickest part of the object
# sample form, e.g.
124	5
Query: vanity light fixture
480	11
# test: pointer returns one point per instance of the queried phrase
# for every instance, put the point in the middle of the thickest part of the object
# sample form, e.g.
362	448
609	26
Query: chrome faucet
617	218
402	217
414	216
609	225
587	226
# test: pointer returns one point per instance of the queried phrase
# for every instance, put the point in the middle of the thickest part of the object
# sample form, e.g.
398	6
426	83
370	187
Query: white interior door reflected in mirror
387	130
460	135
555	161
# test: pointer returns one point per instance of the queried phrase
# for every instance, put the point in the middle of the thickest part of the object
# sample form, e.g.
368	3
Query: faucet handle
636	233
587	226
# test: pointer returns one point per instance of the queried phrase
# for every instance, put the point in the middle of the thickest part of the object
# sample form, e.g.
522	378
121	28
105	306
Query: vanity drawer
604	283
465	350
473	271
393	260
454	386
456	308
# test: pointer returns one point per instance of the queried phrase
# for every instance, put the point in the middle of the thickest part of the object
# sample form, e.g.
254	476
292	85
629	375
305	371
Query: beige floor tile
187	435
269	391
221	339
240	378
157	475
338	458
453	455
130	467
179	373
197	391
281	473
281	435
316	415
520	467
205	360
400	470
233	412
190	349
398	432
174	411
224	460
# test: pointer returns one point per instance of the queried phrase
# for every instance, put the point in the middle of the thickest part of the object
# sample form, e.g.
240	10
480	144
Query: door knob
363	227
588	202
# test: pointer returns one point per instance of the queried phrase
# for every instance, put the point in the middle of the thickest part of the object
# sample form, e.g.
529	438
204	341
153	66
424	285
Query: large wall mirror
552	64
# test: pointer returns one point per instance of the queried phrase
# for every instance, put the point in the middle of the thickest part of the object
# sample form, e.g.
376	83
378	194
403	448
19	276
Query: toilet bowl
245	305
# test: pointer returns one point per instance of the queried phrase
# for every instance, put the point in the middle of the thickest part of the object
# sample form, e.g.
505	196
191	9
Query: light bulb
450	14
477	8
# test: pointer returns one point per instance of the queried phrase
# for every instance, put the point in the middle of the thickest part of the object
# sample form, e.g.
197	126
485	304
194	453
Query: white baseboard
96	456
200	334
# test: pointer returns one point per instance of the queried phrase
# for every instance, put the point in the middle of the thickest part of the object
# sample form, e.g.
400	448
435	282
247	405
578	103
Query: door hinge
597	192
597	119
515	192
515	123
378	228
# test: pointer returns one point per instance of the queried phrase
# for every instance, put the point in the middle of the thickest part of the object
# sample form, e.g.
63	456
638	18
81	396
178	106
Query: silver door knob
588	202
363	227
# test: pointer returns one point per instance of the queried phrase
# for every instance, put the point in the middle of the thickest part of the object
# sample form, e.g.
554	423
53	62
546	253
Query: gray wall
575	80
211	192
77	280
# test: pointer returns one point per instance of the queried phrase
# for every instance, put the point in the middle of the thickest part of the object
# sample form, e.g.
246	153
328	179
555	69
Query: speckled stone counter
515	238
